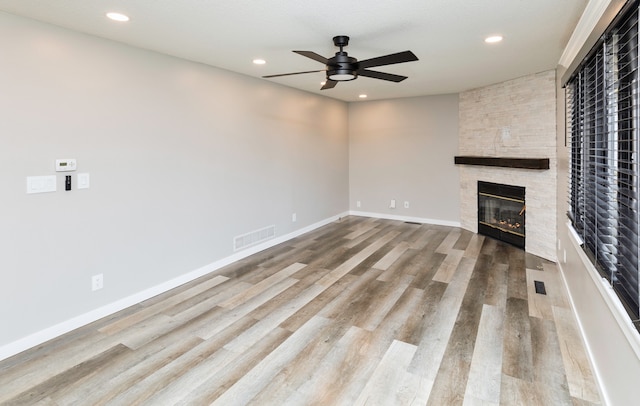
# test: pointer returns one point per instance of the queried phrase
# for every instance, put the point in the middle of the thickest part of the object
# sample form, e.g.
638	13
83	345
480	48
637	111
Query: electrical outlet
406	204
294	218
96	282
358	204
392	205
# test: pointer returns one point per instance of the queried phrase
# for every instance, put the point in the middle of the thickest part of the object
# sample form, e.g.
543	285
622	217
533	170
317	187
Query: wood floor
359	312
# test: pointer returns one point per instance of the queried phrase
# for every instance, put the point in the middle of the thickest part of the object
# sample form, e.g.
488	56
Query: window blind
602	103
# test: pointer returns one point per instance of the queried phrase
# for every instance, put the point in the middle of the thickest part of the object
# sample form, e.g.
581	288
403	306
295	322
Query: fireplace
501	212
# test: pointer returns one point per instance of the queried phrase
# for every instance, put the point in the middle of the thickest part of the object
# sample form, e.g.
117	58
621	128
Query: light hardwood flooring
359	312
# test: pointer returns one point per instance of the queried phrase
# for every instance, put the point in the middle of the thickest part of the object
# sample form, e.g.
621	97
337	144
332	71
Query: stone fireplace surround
514	119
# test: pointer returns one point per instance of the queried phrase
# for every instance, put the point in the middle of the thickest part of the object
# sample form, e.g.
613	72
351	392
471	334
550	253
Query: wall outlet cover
97	282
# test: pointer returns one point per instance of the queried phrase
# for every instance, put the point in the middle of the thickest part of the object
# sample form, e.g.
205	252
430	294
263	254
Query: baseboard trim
585	343
406	218
66	326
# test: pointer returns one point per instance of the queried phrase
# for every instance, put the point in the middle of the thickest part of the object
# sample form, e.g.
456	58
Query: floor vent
253	237
540	287
413	222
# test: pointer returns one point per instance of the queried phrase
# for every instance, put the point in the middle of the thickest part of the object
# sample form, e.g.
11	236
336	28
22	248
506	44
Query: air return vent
540	289
253	237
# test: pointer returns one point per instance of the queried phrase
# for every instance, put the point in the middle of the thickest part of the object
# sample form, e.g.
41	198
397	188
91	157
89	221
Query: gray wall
182	158
403	149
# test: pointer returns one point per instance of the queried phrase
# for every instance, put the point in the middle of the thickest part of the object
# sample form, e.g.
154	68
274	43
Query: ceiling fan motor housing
342	67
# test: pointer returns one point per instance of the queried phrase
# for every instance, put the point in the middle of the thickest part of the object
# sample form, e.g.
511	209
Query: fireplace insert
501	212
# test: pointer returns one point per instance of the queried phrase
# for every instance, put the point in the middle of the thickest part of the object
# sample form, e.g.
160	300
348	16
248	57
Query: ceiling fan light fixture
341	75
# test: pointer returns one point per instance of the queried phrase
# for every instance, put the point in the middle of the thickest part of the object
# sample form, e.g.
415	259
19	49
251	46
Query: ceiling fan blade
329	84
313	56
293	73
381	75
400	57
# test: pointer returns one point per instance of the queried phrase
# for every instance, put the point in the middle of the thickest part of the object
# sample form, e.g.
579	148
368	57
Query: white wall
403	149
182	158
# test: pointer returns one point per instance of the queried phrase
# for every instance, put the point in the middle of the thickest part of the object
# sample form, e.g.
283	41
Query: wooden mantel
503	162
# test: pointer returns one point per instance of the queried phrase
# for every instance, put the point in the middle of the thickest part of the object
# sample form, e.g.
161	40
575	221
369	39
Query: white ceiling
446	35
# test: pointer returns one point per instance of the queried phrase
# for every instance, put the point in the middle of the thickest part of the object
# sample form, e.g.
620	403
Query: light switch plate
41	184
83	181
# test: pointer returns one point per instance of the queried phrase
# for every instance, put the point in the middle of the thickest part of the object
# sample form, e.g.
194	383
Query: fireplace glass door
501	212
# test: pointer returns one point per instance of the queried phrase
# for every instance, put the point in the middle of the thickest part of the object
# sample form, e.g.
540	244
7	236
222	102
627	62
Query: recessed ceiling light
117	17
259	61
493	39
363	96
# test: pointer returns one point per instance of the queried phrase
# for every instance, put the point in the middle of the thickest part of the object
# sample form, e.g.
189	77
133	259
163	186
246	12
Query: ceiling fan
342	67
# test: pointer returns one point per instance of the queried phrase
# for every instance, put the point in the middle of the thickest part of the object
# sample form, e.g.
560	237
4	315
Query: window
602	124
